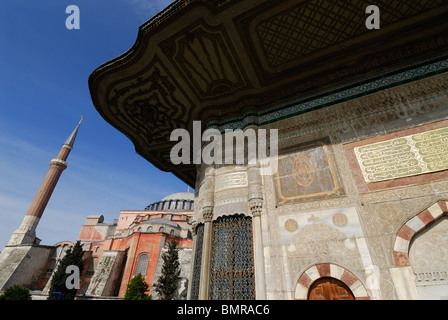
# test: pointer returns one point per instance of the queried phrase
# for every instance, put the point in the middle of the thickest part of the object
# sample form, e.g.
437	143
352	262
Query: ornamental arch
410	281
413	226
330	271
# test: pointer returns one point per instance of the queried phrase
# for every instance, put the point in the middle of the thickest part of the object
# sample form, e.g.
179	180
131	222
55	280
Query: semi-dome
180	201
162	221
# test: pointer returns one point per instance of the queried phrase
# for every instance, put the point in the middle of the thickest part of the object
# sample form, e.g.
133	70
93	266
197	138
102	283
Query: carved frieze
149	103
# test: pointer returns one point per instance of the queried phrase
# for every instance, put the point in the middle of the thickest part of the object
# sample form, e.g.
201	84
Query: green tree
16	293
137	288
72	257
166	285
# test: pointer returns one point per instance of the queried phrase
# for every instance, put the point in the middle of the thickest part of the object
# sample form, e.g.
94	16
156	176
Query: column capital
207	213
256	206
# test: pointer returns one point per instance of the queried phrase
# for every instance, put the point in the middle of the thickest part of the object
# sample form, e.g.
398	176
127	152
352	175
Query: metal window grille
194	295
232	266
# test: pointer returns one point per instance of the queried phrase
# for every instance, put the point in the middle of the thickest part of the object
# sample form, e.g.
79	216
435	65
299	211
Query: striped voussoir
329	270
412	227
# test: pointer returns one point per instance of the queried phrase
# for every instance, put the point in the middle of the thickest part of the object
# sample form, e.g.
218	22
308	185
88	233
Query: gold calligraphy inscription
231	180
403	157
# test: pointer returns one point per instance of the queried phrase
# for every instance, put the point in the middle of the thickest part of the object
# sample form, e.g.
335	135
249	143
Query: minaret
26	233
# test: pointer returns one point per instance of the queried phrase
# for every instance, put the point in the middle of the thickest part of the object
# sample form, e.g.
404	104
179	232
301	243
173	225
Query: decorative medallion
303	170
340	219
291	225
307	171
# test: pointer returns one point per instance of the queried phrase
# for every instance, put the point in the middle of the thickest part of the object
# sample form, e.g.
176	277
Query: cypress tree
166	285
137	288
72	257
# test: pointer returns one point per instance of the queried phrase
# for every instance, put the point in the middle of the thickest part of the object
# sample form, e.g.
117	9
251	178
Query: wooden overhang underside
212	60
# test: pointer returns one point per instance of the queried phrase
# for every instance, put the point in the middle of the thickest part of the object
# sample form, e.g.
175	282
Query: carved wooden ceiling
215	59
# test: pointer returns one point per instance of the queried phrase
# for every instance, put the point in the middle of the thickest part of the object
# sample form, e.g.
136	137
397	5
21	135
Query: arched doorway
328	288
310	277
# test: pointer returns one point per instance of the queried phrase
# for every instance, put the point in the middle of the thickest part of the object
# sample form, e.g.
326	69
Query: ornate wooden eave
213	60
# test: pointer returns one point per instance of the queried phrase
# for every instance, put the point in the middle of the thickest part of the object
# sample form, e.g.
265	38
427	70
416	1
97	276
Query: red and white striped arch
412	227
329	270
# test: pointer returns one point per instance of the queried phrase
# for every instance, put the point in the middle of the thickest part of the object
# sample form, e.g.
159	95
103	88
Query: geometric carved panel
307	171
313	25
206	59
150	102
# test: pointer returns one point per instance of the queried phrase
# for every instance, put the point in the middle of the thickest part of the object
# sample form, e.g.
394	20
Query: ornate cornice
218	60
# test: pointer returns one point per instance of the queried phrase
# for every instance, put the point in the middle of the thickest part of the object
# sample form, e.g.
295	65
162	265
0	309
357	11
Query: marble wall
318	209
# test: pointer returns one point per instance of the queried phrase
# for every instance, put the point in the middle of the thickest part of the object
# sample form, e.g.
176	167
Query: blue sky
44	70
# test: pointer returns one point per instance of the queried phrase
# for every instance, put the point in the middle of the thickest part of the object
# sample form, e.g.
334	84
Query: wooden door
329	289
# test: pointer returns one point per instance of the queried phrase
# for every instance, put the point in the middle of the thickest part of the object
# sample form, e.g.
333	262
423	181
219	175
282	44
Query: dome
180	201
180	196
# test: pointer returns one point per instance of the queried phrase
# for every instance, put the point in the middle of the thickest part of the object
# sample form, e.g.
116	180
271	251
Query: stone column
204	288
255	206
207	214
193	254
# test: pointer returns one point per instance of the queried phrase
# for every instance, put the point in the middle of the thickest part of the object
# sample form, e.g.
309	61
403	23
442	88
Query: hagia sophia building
357	208
113	252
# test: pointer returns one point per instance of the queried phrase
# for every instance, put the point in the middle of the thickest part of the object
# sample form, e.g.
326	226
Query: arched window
162	229
172	232
142	264
150	229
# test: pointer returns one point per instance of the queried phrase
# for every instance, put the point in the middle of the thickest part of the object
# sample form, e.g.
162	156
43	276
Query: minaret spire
71	139
26	233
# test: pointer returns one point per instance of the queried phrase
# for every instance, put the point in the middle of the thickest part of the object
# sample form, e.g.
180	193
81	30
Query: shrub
16	293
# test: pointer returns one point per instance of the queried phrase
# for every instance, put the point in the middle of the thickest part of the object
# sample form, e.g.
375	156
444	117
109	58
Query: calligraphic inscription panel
307	171
231	180
403	157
